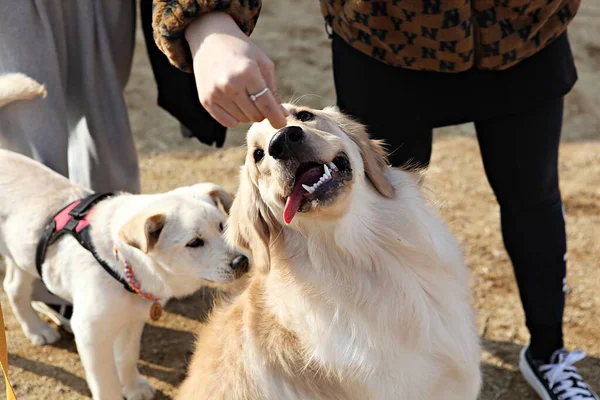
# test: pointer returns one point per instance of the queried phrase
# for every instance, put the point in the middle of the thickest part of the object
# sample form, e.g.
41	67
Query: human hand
229	68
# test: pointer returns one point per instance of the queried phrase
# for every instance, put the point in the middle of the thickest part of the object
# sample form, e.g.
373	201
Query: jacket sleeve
171	17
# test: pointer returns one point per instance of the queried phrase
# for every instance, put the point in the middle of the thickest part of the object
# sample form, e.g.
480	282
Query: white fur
107	320
389	306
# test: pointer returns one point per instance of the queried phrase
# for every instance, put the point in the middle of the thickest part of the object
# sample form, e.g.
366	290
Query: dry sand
297	43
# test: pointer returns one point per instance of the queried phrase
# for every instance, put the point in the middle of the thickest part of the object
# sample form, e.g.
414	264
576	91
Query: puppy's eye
221	227
258	155
304	116
195	243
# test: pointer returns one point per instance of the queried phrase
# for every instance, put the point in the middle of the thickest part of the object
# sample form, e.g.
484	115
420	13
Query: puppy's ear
247	227
143	231
222	199
373	152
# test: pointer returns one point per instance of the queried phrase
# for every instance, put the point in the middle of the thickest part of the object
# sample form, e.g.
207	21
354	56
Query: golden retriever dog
358	290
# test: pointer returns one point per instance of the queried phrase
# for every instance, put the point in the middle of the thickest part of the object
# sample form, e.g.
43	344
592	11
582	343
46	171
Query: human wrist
215	22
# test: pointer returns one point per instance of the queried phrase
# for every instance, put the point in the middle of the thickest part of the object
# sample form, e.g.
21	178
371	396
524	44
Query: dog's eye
221	227
258	155
195	243
304	116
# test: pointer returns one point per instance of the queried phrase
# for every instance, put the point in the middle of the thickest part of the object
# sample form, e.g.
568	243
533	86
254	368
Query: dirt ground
292	33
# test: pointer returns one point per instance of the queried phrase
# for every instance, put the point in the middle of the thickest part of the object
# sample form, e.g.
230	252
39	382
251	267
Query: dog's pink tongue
292	203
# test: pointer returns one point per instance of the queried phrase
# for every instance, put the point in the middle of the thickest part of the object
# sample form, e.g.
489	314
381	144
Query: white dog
358	290
159	246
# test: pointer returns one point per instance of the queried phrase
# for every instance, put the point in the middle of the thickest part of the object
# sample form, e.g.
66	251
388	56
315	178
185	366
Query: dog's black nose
286	142
240	263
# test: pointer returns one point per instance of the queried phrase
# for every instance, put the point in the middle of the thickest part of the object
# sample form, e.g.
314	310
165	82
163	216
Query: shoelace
563	378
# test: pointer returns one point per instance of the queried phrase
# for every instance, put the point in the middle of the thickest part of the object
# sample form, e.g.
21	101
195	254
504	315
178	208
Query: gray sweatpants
82	51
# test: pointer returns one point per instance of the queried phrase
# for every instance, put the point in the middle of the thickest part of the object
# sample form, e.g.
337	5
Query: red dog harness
73	220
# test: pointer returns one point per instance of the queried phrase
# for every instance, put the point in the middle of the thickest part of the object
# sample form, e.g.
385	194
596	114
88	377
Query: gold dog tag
156	311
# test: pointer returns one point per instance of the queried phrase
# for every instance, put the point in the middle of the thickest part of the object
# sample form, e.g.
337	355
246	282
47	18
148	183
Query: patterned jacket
434	35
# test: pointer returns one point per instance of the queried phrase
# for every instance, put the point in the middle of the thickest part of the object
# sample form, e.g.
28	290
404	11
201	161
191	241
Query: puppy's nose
240	263
286	142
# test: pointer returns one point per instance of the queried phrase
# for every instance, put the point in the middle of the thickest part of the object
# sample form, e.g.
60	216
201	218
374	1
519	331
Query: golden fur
364	297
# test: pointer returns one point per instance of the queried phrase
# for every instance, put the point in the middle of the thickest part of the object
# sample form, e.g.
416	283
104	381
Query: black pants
520	156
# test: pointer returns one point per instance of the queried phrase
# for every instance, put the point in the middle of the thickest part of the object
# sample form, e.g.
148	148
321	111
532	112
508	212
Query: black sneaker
558	380
60	314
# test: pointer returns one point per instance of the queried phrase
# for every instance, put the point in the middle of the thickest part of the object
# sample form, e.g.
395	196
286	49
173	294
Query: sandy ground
297	43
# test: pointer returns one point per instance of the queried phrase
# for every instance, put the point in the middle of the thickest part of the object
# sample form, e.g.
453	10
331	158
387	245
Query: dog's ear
143	231
247	227
375	162
222	199
373	151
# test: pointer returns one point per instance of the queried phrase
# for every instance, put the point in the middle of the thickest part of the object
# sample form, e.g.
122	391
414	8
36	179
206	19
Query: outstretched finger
267	69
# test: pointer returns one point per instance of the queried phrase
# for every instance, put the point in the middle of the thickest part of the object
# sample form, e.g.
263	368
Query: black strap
42	246
85	240
83	208
50	236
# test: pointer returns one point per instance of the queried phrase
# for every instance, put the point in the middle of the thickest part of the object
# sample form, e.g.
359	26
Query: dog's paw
143	391
45	334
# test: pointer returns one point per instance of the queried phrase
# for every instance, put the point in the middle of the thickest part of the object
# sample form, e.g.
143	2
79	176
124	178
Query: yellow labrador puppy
142	251
358	291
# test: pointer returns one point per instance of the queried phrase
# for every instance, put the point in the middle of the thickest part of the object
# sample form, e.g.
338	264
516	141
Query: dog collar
156	308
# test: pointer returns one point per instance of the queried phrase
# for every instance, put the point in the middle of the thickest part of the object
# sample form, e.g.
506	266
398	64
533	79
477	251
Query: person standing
82	53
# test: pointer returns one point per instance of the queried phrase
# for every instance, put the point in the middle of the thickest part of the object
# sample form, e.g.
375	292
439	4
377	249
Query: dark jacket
449	35
177	92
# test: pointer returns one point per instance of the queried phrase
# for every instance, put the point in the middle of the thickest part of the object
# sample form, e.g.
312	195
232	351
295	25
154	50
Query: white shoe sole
531	378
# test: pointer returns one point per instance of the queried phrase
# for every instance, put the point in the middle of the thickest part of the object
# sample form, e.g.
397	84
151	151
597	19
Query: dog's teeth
333	166
308	188
327	172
